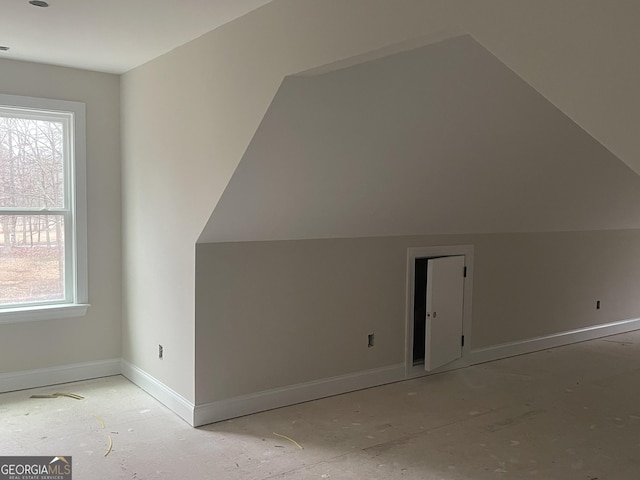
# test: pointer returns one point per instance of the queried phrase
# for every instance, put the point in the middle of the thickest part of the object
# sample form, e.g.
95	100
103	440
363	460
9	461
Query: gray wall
442	141
189	116
272	314
97	336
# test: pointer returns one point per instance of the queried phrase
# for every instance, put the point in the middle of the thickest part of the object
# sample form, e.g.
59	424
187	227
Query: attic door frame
413	253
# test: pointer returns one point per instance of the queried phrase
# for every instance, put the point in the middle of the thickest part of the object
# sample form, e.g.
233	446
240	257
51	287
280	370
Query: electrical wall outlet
371	340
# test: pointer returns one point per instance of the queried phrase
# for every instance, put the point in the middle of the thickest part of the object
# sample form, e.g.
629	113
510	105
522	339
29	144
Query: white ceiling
109	35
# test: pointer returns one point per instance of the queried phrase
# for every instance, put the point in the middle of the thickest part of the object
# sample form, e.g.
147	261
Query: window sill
44	312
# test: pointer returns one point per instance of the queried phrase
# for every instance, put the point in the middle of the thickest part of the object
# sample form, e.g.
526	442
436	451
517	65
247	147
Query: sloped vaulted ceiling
439	139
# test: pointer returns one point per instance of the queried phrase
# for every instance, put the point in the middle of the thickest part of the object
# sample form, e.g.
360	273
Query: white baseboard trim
197	415
496	352
165	395
302	392
43	377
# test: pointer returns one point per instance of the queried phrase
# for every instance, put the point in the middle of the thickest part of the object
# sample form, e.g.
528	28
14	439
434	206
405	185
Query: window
43	254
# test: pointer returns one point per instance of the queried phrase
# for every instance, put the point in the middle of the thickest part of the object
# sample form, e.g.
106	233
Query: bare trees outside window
43	209
33	207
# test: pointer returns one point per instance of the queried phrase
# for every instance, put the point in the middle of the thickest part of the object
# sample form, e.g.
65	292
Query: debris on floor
288	438
80	397
110	440
109	447
99	420
57	395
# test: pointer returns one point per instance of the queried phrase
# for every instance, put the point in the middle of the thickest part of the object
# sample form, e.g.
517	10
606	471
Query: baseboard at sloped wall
289	395
165	395
520	347
43	377
298	393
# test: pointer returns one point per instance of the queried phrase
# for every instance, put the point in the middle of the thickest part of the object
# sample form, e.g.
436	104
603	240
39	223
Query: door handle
434	314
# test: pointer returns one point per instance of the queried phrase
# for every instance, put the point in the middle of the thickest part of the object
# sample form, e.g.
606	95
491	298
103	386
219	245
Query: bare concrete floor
567	413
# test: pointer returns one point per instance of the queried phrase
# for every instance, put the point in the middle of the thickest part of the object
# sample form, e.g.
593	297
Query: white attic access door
438	308
443	323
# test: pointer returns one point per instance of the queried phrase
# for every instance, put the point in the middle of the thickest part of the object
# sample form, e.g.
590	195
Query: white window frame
76	304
